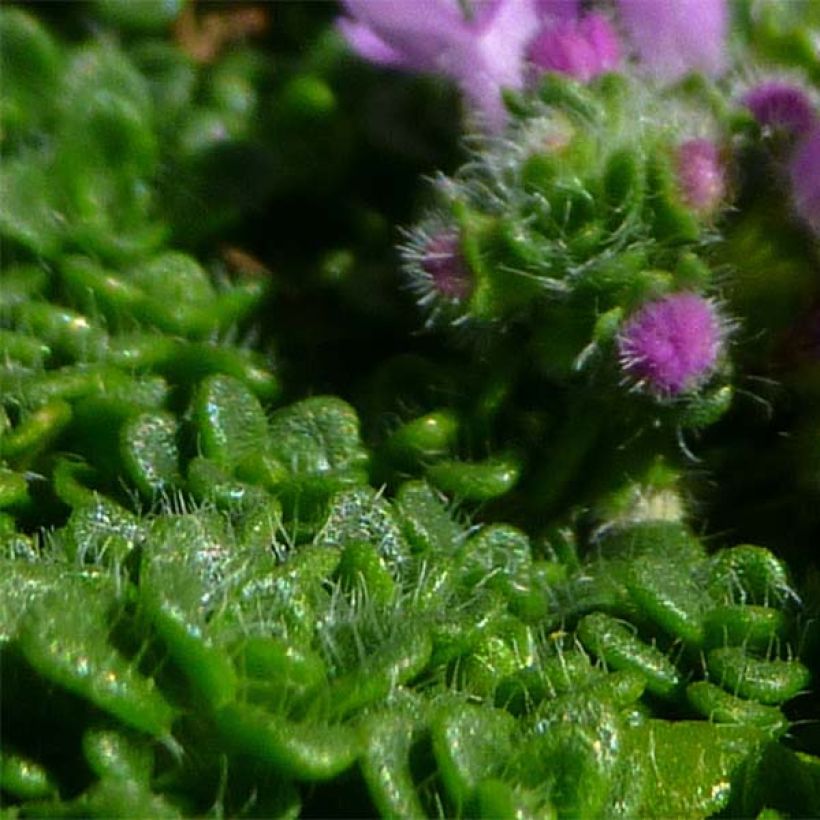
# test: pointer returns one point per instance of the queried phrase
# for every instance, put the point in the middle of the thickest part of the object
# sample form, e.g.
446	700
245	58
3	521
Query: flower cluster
519	244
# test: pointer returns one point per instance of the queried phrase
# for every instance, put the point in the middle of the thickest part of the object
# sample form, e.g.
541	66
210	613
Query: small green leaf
477	481
231	423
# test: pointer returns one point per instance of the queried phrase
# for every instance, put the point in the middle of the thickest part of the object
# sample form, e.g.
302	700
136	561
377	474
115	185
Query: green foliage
465	588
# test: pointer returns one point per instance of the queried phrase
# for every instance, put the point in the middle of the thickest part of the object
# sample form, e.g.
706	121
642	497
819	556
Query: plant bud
701	175
781	106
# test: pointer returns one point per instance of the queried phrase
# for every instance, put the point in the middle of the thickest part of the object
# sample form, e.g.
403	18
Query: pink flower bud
671	345
701	175
441	260
581	48
781	105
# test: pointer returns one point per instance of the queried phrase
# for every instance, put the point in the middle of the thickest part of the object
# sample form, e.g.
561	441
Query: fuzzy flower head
481	46
804	170
701	175
442	262
437	270
675	37
781	106
671	345
582	48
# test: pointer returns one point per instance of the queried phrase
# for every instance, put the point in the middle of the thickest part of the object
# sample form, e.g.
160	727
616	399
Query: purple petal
494	58
483	13
406	15
604	40
583	49
556	11
675	37
369	45
415	33
482	53
804	171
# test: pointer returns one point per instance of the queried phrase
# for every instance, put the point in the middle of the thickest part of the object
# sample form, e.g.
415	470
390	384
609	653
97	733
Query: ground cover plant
410	408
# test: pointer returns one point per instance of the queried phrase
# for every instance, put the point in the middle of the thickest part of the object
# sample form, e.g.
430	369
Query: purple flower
781	105
804	170
482	53
671	345
675	37
701	175
442	262
581	48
